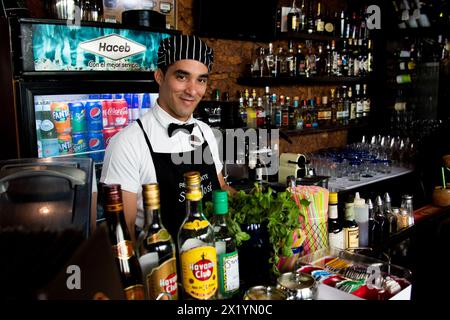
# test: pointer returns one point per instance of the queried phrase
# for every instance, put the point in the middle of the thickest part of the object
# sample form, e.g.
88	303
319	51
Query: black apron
171	181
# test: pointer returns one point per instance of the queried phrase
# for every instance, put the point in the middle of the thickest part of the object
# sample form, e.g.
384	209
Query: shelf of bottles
326	50
339	108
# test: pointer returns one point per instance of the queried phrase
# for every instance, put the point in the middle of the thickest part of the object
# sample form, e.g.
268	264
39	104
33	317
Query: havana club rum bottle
127	262
198	261
156	249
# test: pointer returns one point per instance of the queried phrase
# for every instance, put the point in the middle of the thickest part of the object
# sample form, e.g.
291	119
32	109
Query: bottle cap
220	201
150	195
370	203
333	197
193	185
358	201
387	197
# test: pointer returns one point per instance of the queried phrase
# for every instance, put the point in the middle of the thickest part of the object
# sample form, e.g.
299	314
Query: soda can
95	144
65	143
108	118
129	99
94	96
108	133
145	104
61	117
118	96
94	115
50	147
79	142
107	96
77	116
136	105
120	112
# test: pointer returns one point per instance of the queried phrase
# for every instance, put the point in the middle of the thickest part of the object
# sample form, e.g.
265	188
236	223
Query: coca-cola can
120	112
108	120
108	133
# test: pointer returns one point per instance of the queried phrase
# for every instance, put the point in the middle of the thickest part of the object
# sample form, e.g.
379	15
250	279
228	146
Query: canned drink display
77	116
119	113
50	147
65	143
79	142
108	133
94	115
61	117
265	293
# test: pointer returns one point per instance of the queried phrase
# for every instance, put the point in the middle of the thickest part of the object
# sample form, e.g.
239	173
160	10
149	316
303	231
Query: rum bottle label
199	272
163	279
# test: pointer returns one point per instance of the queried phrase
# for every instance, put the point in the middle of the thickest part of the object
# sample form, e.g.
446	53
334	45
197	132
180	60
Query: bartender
160	146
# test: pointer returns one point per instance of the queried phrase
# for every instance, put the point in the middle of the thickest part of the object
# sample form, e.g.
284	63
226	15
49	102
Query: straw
443	179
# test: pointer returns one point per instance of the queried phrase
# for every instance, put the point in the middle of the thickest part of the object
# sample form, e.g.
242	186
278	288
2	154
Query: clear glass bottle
293	18
407	204
156	249
126	260
227	253
198	259
391	217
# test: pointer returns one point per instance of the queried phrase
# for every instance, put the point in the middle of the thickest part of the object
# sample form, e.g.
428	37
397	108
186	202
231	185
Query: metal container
298	285
265	293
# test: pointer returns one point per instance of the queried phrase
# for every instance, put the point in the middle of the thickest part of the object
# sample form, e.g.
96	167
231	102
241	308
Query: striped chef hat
180	47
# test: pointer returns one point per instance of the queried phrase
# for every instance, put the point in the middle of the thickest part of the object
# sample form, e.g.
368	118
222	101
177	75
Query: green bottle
227	254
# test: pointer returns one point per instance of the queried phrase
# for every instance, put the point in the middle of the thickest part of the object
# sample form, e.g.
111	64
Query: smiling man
144	152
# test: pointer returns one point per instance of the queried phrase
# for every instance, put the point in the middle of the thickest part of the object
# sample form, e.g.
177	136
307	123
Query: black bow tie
174	127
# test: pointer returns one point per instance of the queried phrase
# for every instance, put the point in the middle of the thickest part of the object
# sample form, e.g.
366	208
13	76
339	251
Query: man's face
182	87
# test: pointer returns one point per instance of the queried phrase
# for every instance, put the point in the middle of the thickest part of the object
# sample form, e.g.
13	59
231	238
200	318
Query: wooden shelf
281	81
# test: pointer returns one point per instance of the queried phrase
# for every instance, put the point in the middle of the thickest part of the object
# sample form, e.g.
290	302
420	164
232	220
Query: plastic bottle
361	210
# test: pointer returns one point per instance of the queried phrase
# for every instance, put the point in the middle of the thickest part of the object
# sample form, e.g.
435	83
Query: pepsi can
106	96
136	105
145	104
96	145
94	115
94	96
118	96
129	99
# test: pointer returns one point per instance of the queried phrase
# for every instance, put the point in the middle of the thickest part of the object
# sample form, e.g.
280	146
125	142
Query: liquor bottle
310	27
329	60
251	114
126	260
346	106
292	111
319	21
333	107
335	230
351	228
342	24
359	103
352	100
362	219
366	102
339	108
227	253
242	112
271	62
329	24
390	216
290	61
324	113
300	62
311	58
278	113
156	249
306	116
260	114
285	113
350	58
280	62
336	60
298	115
268	107
344	57
198	260
381	228
315	105
302	24
321	61
293	18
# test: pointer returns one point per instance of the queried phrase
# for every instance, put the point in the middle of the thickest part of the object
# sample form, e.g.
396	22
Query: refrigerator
67	89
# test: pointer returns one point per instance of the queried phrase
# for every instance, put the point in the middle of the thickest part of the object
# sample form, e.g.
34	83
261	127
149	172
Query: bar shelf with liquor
316	80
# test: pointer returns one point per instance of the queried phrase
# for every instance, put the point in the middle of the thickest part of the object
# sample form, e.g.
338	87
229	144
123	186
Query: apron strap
145	136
